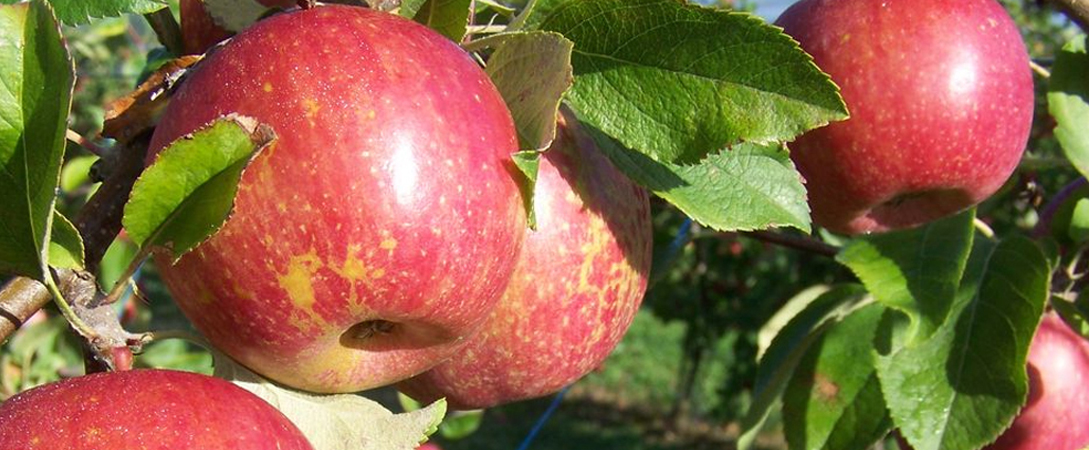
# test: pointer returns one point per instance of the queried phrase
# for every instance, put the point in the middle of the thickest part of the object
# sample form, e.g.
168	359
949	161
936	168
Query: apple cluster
383	236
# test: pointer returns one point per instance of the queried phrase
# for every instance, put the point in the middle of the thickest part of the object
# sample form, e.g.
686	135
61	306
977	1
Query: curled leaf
339	421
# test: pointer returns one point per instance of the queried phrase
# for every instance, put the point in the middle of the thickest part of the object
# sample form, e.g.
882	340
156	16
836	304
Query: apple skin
199	30
380	230
1057	410
144	409
577	285
941	100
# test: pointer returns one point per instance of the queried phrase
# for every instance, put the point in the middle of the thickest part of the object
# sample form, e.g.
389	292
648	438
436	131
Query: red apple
199	30
579	280
144	409
380	230
1057	412
941	102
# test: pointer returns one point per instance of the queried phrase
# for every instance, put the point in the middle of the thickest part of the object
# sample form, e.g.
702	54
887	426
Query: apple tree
452	197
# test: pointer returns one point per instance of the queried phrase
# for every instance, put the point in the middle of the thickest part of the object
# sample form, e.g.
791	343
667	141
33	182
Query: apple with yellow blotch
378	232
578	283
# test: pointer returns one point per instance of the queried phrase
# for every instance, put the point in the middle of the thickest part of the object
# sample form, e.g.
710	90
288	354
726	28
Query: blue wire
682	236
544	418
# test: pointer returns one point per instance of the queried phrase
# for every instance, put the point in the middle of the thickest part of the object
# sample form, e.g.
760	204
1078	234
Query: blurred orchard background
681	379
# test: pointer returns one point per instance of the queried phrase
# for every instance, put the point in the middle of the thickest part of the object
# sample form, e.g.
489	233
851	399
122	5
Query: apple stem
520	19
183	335
366	330
85	144
983	228
1040	70
126	279
485	29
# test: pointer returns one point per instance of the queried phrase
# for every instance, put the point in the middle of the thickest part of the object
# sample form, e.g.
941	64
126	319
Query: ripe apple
199	30
941	102
145	409
577	285
1057	412
380	230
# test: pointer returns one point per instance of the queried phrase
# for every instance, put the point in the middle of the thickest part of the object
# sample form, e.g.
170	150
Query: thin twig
1076	10
1048	212
167	30
21	297
184	335
795	242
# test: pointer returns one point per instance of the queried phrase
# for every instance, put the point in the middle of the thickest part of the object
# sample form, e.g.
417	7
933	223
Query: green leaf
188	192
77	172
1074	313
409	8
77	12
1067	102
235	15
461	424
528	162
35	97
449	17
963	386
535	13
175	354
745	187
532	71
42	350
65	245
343	421
788	311
787	348
116	260
834	399
677	82
1077	230
915	271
